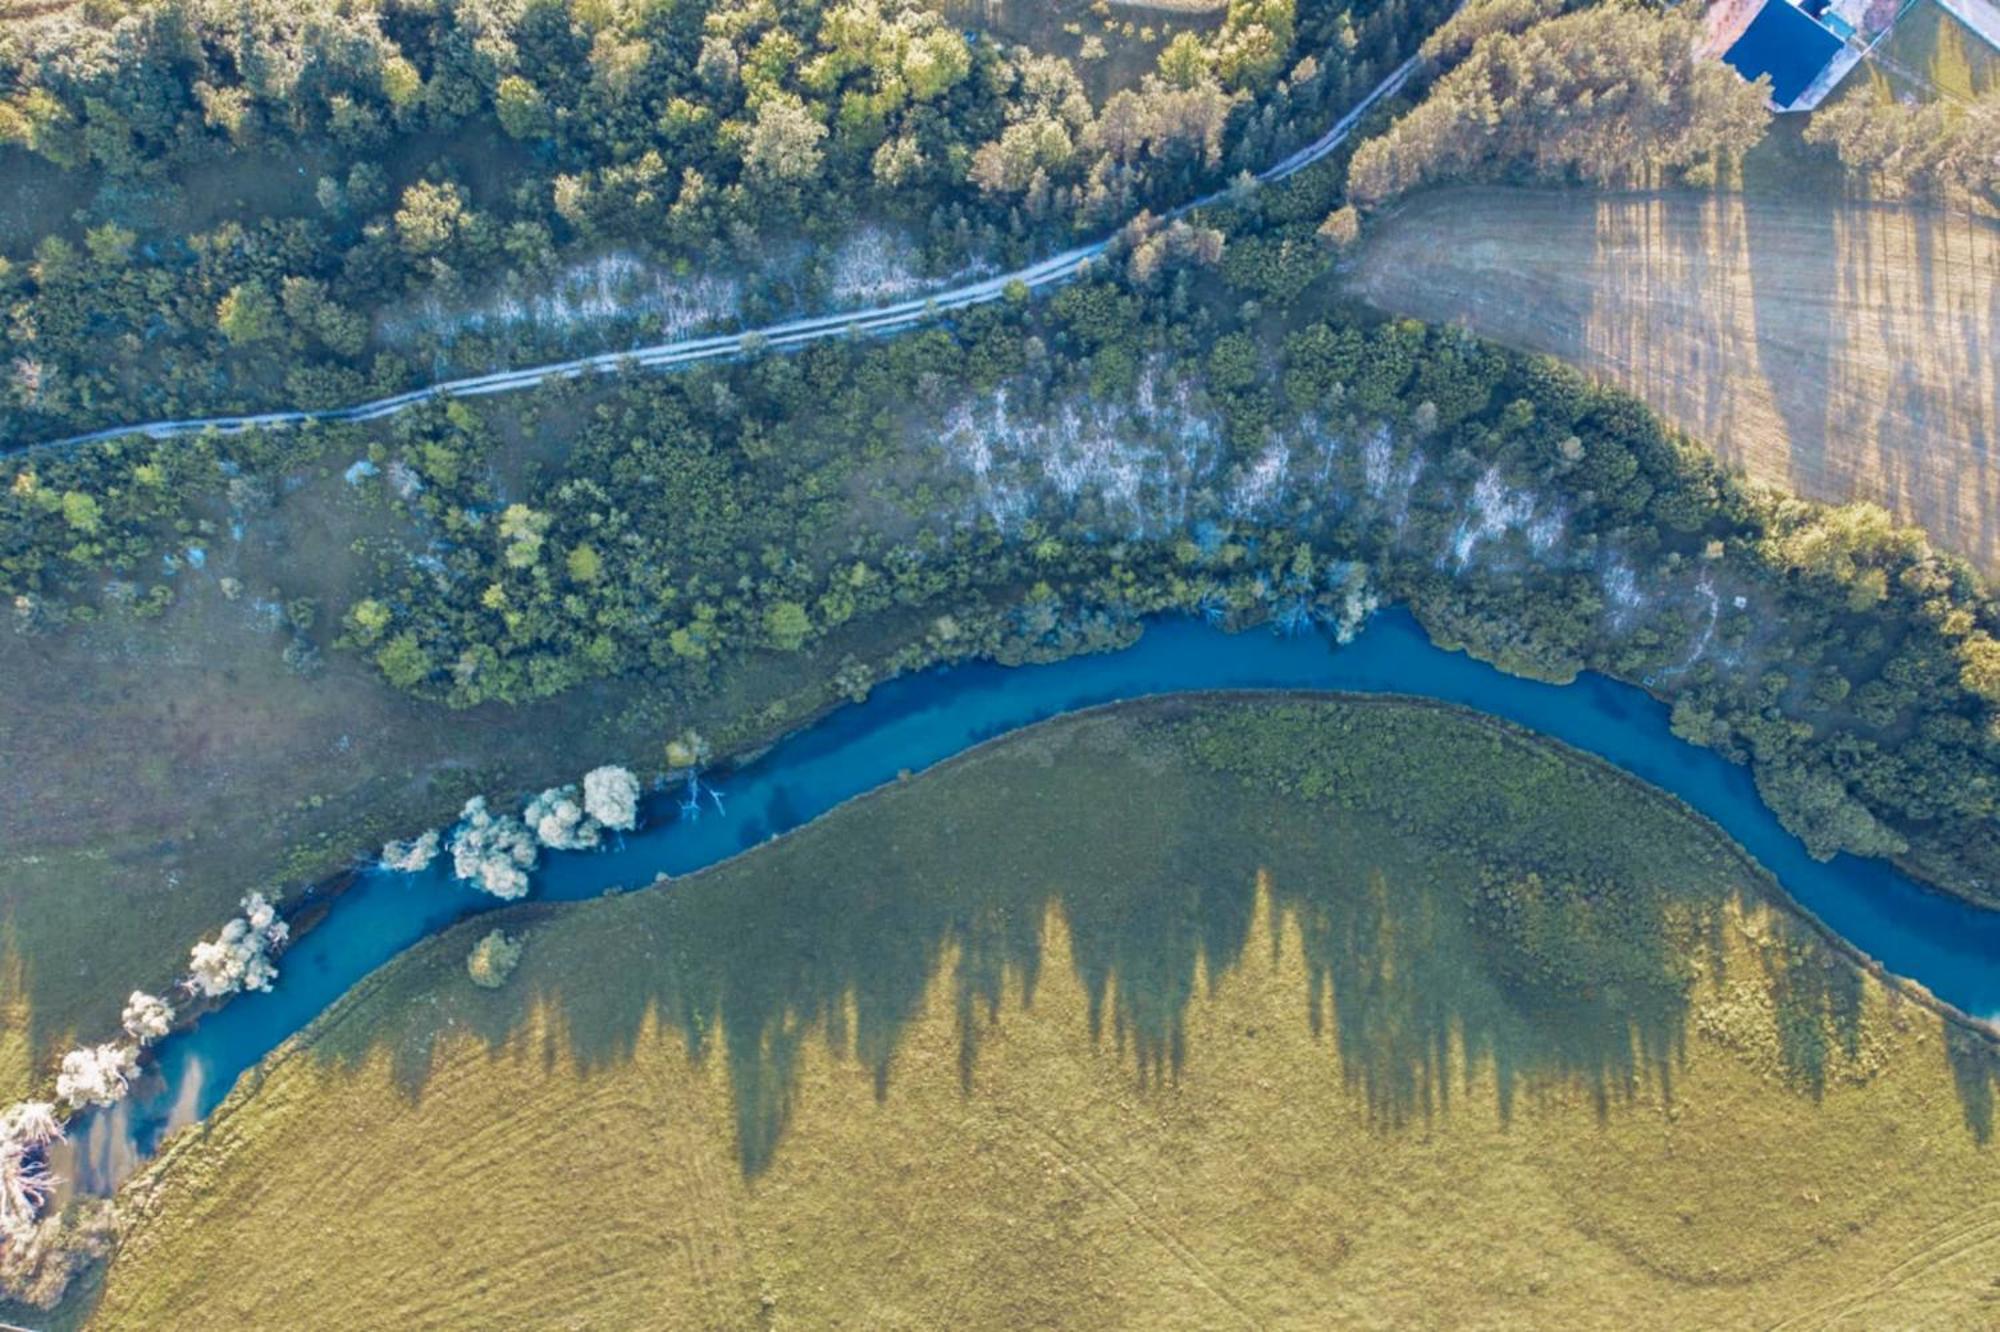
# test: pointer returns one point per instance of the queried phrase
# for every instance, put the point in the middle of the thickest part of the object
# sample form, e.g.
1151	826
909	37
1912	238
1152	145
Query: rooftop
1786	44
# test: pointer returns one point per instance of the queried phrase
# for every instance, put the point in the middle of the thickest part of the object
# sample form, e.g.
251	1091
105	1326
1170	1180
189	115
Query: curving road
792	333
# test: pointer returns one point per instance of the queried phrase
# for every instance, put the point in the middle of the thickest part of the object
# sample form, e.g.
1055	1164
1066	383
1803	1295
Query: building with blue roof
1786	43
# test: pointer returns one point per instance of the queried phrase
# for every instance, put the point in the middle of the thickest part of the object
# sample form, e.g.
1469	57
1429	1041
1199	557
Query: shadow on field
1975	1067
1444	926
1841	348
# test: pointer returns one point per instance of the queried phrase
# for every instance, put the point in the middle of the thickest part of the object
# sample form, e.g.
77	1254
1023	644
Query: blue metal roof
1782	42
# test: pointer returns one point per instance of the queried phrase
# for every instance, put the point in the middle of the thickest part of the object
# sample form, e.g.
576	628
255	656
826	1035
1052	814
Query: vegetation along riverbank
1038	1051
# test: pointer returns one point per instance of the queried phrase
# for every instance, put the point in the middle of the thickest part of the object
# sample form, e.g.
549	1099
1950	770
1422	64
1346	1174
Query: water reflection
103	1147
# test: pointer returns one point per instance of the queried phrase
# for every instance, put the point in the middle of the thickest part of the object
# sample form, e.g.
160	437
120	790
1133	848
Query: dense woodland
1942	150
1611	94
703	514
443	150
767	504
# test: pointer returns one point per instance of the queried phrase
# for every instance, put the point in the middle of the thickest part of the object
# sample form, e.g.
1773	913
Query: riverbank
914	981
911	724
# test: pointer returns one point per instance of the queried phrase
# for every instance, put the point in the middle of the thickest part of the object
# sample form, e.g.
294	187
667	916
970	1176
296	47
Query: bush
492	960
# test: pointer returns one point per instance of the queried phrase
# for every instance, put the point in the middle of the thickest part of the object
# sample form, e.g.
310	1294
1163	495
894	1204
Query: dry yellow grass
1842	350
441	1156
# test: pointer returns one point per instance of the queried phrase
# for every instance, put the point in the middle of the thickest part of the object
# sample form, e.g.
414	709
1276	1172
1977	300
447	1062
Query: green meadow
1191	1013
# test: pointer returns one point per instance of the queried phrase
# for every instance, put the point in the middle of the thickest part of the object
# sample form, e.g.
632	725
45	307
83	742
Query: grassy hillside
1187	1014
1844	351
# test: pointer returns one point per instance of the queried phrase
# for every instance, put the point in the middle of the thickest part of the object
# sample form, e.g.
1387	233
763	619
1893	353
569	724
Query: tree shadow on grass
1495	927
1817	998
1975	1068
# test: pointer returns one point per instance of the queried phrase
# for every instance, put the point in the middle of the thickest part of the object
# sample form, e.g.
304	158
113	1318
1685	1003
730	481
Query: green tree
787	625
247	314
585	565
522	110
430	217
404	661
82	513
110	245
784	141
522	530
935	63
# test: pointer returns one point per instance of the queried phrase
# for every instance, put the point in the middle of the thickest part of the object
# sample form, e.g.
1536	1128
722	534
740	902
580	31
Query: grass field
1930	55
1842	350
159	768
1099	1027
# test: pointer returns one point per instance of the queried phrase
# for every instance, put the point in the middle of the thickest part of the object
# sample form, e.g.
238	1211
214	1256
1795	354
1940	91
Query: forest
700	515
444	152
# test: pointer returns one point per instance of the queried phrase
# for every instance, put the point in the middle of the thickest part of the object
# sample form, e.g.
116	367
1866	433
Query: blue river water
1950	946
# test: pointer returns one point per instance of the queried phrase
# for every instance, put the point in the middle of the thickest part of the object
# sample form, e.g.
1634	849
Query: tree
1184	61
110	245
367	620
404	662
783	144
82	513
1255	42
247	314
522	530
493	959
1341	228
611	796
935	63
521	109
584	564
787	624
1979	666
430	217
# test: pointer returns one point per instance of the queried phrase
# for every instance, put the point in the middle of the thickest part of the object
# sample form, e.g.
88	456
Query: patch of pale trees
240	957
1053	134
36	1255
147	1017
1612	94
497	852
1454	39
96	1074
494	852
414	856
26	1129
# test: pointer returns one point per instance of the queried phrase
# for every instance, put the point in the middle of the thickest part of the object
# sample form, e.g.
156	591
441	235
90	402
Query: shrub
492	960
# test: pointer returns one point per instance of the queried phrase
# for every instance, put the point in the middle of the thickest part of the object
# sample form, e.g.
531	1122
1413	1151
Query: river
909	724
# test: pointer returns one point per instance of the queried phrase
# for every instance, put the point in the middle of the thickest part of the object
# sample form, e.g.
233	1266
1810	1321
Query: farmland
1002	1045
1844	351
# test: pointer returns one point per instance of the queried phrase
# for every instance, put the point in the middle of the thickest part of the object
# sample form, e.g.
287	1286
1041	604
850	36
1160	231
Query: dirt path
1846	351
